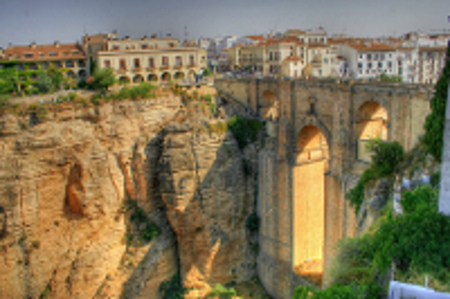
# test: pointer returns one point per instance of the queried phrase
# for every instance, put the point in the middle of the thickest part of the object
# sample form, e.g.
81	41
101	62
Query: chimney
144	37
154	36
127	37
33	45
56	44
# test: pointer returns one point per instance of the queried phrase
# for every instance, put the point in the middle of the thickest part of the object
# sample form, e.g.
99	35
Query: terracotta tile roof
256	37
371	47
292	58
432	49
53	52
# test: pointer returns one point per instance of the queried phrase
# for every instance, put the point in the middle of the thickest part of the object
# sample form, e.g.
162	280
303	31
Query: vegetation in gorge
244	130
418	242
434	125
143	226
386	158
173	288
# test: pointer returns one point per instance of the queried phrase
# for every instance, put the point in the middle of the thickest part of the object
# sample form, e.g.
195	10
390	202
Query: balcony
137	70
151	69
190	66
177	67
122	71
164	67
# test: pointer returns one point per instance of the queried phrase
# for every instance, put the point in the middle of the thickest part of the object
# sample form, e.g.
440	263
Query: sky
46	21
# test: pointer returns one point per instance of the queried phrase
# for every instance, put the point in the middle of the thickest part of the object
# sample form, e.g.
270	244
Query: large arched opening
124	80
166	77
371	124
269	106
152	77
312	160
179	75
138	79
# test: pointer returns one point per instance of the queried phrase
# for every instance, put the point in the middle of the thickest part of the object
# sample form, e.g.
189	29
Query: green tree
103	79
56	76
44	82
434	124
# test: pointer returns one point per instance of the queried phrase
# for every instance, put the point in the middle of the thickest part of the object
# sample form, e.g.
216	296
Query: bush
172	289
252	222
336	291
219	291
421	197
147	230
244	130
385	160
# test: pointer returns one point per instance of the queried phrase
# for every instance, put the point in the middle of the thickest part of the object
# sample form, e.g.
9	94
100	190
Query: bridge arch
372	120
269	106
311	165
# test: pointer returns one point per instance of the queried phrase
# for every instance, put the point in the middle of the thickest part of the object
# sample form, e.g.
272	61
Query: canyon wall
66	184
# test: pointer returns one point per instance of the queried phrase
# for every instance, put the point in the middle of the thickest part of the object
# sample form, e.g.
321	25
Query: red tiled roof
45	52
292	58
256	37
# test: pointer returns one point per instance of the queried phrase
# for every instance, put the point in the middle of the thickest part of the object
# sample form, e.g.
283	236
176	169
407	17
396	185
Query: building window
191	60
360	65
137	63
369	56
53	54
69	63
81	63
44	65
380	65
381	57
151	62
203	58
58	64
123	64
389	64
116	47
165	61
361	56
178	61
33	66
29	55
144	46
107	63
369	65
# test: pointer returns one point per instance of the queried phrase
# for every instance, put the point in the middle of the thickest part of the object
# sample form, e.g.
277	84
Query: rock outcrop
208	187
65	182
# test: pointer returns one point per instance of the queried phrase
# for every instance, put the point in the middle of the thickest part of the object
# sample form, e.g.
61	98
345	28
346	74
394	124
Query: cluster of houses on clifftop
412	58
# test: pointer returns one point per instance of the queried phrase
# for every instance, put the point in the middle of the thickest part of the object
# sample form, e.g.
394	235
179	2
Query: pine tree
435	122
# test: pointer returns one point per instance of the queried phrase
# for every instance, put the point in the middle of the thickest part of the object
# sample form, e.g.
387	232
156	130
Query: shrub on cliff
173	288
385	160
418	242
244	130
434	124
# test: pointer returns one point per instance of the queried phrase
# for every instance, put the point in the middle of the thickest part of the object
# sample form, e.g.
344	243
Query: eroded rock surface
63	183
207	185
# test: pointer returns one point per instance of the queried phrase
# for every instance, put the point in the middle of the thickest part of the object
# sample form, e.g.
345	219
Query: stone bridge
314	154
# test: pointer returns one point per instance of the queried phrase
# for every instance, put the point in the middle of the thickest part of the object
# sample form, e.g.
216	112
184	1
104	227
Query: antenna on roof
185	34
84	29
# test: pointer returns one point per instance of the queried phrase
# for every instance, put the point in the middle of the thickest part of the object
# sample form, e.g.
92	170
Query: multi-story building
296	54
368	60
431	63
68	57
158	60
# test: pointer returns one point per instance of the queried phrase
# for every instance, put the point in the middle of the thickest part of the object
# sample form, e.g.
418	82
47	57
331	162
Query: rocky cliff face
208	185
65	229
